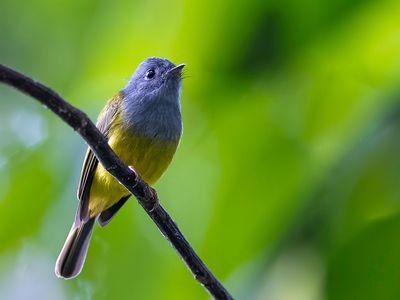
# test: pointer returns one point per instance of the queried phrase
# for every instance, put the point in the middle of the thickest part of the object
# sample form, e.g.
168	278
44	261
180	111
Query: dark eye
150	74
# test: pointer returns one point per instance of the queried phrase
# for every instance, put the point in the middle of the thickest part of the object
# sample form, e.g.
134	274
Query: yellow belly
148	157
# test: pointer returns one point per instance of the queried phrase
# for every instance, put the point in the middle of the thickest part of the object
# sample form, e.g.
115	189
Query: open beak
176	70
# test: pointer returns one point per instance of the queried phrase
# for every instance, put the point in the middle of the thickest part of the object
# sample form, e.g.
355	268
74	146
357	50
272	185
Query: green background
287	179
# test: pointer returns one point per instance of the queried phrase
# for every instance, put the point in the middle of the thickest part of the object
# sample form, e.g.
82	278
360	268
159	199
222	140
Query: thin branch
145	195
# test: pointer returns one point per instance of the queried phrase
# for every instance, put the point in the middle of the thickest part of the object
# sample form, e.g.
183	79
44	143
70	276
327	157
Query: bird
143	125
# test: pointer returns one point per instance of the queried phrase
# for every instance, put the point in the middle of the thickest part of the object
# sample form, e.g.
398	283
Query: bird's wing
106	118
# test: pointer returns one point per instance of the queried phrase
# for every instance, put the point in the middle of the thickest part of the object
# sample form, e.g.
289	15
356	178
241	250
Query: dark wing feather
106	118
106	216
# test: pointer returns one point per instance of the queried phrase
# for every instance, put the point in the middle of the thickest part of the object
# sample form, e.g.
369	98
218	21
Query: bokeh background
287	179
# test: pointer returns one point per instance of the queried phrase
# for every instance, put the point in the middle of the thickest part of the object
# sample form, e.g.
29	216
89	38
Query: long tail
72	257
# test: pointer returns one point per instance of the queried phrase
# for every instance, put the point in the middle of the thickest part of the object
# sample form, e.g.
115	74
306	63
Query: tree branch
80	122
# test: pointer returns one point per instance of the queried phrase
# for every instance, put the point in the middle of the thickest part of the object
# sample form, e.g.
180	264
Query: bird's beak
176	70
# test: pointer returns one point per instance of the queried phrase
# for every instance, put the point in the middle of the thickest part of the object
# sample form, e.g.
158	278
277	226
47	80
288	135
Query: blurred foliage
286	181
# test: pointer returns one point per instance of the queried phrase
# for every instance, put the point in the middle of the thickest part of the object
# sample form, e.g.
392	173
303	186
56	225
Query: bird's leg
150	197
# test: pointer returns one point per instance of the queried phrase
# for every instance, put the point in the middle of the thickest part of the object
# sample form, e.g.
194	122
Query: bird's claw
150	196
154	199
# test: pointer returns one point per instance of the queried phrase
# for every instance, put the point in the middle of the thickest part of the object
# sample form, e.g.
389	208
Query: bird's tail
72	257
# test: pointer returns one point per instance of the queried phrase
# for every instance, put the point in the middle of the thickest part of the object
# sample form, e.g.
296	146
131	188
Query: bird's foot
149	197
154	199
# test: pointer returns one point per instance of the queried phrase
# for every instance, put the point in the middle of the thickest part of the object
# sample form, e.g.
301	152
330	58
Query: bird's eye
150	74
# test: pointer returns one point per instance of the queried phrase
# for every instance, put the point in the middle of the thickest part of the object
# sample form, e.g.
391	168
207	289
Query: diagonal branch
145	195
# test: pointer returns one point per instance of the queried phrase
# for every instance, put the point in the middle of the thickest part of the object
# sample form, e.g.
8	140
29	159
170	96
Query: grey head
152	99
